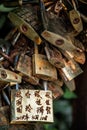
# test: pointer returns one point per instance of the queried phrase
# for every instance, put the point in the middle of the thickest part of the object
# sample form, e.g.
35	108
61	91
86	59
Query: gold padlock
71	70
24	66
42	68
31	106
26	20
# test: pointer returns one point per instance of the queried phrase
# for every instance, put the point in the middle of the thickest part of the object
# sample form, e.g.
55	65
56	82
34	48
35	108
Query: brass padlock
26	20
75	18
42	68
54	56
24	66
59	41
71	70
31	106
7	76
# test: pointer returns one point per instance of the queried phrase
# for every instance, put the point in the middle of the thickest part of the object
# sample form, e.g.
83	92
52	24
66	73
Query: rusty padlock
42	68
56	89
59	41
24	66
70	85
75	18
31	106
26	20
7	76
54	56
71	70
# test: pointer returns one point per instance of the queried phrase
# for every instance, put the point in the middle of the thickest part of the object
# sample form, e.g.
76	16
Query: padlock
54	56
31	106
42	68
76	55
24	66
71	70
75	18
26	20
59	41
70	85
7	76
56	89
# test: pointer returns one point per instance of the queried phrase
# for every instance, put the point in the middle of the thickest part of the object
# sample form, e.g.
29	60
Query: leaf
69	95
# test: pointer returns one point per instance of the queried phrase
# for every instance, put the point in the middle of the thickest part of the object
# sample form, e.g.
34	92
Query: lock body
70	71
7	76
31	106
56	89
76	20
25	18
43	69
24	66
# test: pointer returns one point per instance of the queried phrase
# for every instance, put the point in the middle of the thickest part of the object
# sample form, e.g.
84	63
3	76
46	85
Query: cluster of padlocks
38	56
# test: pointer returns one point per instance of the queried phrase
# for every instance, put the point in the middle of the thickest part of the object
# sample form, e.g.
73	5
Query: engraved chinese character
19	109
44	118
38	102
25	117
47	102
35	117
28	108
37	94
48	95
40	110
27	94
48	110
18	94
19	101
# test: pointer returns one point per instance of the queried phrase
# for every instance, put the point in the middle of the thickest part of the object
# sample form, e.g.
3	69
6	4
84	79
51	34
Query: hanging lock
70	71
42	68
56	89
70	85
26	20
9	76
75	18
54	56
31	106
59	41
24	66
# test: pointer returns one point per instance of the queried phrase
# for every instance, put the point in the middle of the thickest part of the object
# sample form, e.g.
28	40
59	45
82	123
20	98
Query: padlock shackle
35	48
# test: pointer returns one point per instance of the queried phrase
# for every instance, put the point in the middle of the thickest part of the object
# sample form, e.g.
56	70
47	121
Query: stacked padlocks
37	56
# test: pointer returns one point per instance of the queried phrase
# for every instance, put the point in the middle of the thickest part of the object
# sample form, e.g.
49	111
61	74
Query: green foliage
5	9
69	95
